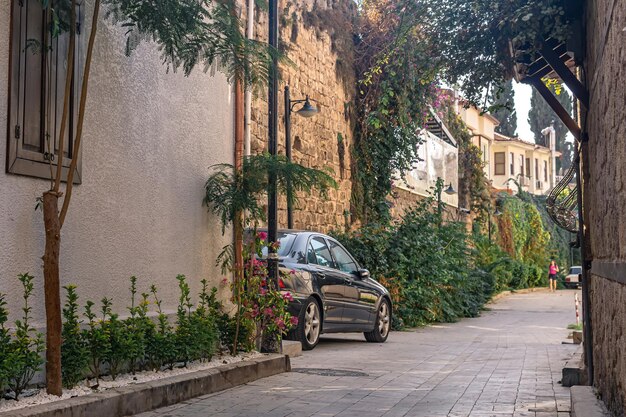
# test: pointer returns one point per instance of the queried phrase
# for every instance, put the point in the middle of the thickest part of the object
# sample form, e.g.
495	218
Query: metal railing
562	202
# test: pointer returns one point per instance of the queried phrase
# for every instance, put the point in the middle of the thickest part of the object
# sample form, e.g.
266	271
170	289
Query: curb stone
574	371
146	396
503	294
585	402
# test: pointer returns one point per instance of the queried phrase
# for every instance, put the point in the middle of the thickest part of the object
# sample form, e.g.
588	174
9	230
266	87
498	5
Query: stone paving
506	363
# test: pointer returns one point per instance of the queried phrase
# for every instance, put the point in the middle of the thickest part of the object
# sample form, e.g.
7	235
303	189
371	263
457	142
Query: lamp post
307	110
495	213
438	188
272	144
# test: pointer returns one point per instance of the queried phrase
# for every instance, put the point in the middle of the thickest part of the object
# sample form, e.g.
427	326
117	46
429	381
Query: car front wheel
383	324
309	324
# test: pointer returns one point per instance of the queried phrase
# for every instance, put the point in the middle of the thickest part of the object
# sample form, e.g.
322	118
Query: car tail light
281	284
566	279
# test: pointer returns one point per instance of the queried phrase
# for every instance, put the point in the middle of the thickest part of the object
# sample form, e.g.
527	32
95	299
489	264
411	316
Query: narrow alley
506	363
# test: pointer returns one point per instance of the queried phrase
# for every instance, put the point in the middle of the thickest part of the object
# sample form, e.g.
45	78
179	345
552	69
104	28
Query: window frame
497	164
332	242
512	163
537	169
325	241
20	160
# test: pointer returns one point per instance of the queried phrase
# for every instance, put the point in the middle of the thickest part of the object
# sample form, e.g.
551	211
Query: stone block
585	403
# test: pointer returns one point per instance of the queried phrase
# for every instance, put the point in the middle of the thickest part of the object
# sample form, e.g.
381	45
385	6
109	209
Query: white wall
149	139
438	159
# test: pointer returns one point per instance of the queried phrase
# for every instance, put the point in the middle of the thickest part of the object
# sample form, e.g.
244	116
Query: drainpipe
551	134
248	94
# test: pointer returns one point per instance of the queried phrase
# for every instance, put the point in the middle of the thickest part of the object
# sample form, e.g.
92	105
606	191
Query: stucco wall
604	194
149	139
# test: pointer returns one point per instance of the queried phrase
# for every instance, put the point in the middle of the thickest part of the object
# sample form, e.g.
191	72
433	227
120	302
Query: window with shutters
528	167
536	169
499	163
38	68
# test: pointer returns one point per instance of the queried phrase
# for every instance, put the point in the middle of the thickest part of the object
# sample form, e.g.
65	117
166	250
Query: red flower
262	235
293	320
287	296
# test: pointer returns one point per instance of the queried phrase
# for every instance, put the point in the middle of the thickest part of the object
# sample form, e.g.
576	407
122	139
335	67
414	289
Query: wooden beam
541	63
579	90
556	106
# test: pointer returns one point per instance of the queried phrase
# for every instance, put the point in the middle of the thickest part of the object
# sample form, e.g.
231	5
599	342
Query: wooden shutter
38	66
499	163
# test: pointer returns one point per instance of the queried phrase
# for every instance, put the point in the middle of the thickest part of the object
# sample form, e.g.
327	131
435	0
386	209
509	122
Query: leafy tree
541	116
474	39
503	109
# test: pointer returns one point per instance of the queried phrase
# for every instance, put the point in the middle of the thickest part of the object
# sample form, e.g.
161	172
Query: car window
344	261
286	242
575	270
318	253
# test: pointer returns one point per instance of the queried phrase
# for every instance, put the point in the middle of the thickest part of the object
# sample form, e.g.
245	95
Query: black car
331	292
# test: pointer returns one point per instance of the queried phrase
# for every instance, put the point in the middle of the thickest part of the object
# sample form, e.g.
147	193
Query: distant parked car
332	292
572	279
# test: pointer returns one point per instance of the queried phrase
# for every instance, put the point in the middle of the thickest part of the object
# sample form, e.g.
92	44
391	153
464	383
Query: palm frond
195	32
228	191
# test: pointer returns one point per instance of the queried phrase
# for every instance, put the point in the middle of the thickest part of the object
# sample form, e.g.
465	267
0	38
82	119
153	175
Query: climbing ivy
396	84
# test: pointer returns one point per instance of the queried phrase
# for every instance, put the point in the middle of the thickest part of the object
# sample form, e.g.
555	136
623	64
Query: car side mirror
363	273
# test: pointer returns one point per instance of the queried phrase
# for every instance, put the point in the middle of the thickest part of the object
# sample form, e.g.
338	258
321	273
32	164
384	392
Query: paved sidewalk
505	363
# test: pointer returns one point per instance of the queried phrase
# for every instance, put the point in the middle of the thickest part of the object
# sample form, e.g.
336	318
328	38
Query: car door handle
321	275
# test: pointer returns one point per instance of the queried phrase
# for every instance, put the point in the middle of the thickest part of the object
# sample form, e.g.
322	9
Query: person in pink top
552	271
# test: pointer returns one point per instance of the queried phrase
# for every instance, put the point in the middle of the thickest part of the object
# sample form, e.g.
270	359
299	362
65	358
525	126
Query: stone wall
609	337
325	140
604	193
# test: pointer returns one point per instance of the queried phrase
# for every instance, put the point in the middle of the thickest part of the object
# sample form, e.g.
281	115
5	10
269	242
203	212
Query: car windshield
575	270
286	240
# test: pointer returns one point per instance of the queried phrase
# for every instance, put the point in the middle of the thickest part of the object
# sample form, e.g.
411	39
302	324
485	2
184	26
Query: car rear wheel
382	326
309	324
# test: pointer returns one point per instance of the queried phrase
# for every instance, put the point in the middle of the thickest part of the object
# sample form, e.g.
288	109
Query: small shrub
74	351
135	330
118	342
161	345
97	340
147	329
5	340
186	342
204	326
24	351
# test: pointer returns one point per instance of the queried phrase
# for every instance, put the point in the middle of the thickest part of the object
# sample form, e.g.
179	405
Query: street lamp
438	189
450	190
307	110
495	213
